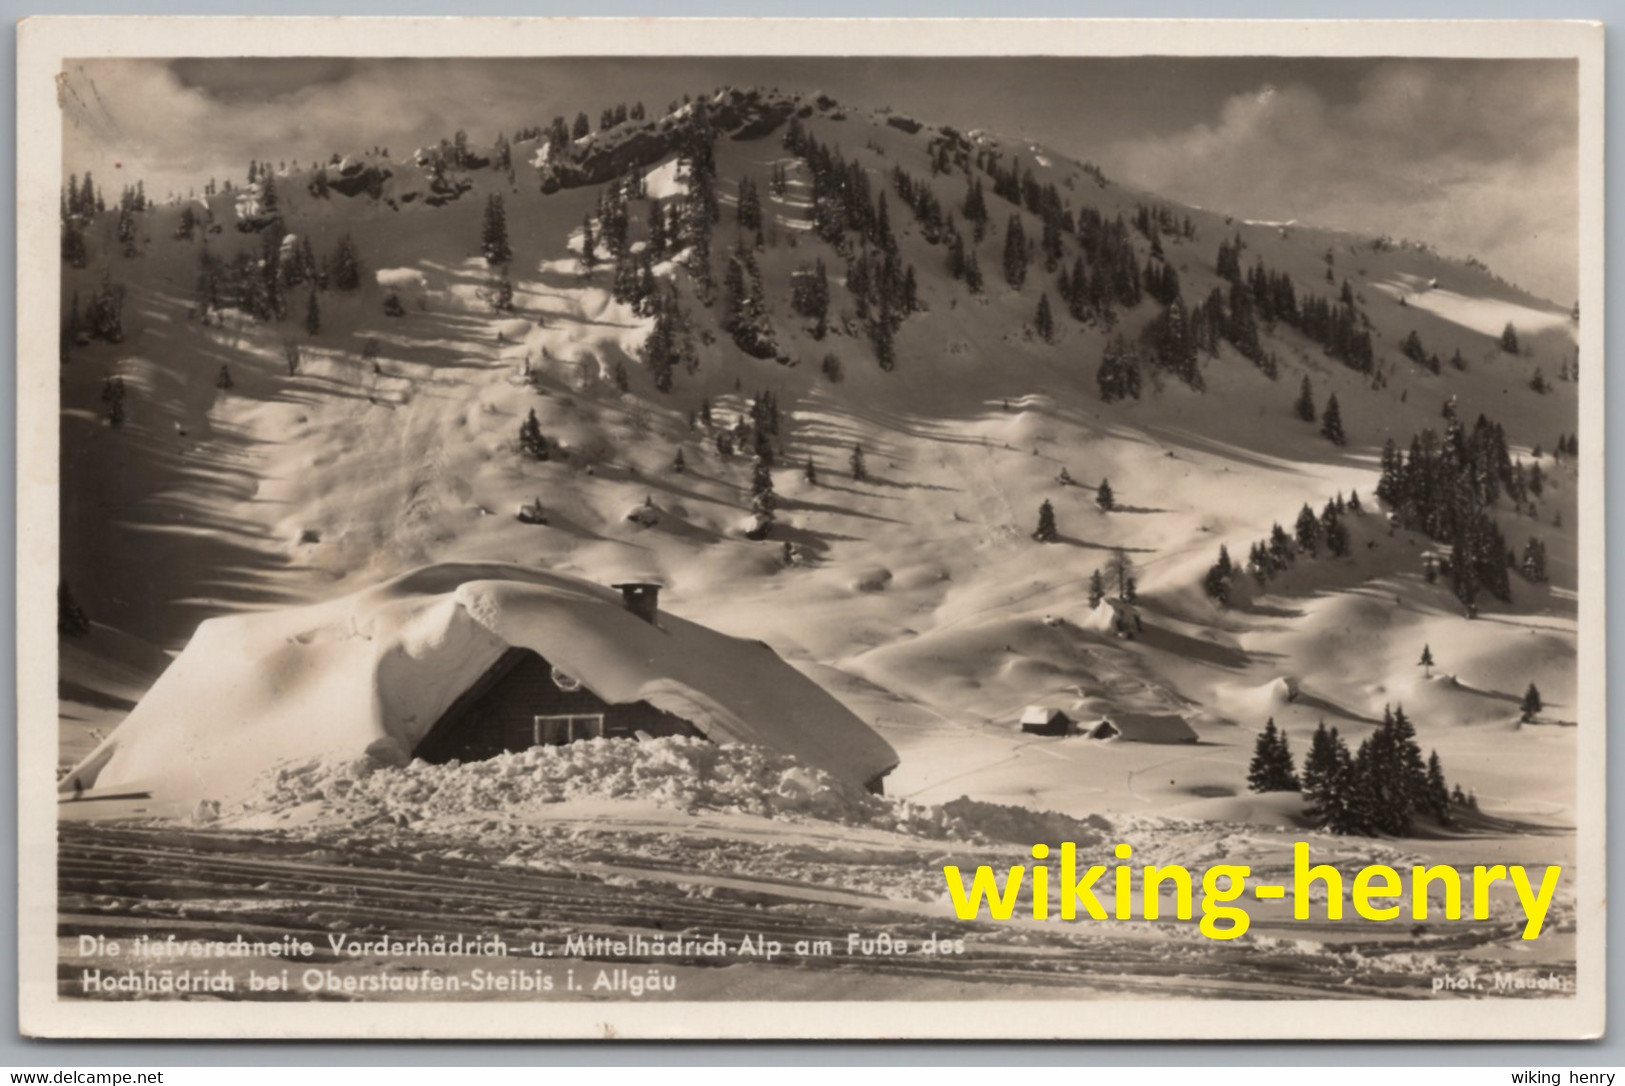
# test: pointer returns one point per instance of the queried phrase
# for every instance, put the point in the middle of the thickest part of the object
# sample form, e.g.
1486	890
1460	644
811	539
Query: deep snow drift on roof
372	672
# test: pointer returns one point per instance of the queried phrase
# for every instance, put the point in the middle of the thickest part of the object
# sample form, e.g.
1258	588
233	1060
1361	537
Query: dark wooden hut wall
500	712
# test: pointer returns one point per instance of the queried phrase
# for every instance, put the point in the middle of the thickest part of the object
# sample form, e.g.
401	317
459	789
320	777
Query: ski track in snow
125	880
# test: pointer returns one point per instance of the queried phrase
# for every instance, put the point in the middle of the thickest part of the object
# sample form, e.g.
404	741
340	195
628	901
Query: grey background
19	1052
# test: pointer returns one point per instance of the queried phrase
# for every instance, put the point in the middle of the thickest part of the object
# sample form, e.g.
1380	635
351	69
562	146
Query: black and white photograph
613	529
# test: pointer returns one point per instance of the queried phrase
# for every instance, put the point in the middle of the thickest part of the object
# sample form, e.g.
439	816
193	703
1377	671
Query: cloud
1477	158
174	125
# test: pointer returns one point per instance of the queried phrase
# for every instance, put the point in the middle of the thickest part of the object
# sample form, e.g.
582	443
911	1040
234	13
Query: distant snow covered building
1131	727
1044	720
462	661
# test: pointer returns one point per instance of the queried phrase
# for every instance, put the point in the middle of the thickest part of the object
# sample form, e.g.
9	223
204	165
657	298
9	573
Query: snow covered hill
214	462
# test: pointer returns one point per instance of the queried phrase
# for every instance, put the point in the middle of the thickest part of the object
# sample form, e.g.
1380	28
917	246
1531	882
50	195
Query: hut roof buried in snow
383	671
1045	720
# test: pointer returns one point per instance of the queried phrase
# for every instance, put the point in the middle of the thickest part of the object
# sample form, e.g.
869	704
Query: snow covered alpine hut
1128	727
462	661
1044	720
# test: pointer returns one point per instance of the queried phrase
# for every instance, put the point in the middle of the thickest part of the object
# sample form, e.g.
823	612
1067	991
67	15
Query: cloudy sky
1478	157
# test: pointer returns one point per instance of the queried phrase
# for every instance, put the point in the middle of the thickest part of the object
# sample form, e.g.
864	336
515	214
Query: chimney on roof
642	599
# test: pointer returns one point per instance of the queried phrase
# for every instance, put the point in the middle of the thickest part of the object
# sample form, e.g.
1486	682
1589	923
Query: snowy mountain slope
916	595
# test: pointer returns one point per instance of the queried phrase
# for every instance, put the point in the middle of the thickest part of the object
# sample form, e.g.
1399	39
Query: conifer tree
1331	422
531	441
660	351
1321	763
1533	565
1333	805
1044	321
1426	662
75	253
1407	764
313	314
346	265
1509	339
678	464
1305	405
1438	794
589	247
975	207
224	382
1046	531
1308	532
763	499
1097	589
393	306
810	473
1531	705
1104	497
1015	252
658	239
494	233
859	471
1220	575
1120	570
1271	769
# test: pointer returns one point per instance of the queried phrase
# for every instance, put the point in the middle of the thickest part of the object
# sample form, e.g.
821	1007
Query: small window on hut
554	731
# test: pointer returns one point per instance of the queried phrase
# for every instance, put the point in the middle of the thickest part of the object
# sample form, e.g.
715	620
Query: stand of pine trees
670	344
1310	536
1119	372
1270	297
1379	788
745	315
1445	487
882	285
809	296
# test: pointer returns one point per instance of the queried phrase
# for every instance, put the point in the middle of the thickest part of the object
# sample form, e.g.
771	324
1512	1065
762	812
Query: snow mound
402	279
681	772
646	514
665	181
1260	701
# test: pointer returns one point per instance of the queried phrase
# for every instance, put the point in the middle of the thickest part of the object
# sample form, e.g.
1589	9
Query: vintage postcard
810	529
